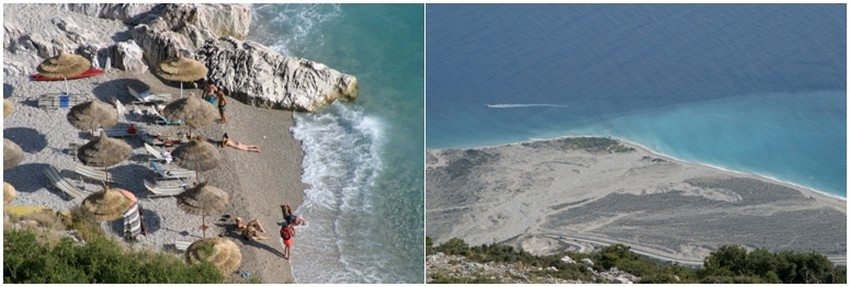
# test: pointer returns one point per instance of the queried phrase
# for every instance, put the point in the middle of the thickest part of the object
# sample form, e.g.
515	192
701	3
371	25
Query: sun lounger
182	245
147	97
155	153
164	190
55	101
121	130
95	173
62	184
174	173
162	120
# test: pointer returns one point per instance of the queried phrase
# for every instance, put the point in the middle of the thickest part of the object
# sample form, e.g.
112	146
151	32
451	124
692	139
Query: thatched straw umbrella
201	200
92	114
194	112
197	155
221	252
9	193
108	204
8	107
104	151
182	69
12	154
63	65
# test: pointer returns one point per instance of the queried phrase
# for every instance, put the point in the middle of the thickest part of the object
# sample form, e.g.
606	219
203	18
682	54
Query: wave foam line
512	106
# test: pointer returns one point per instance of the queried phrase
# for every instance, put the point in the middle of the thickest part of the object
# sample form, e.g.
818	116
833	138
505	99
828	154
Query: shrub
100	260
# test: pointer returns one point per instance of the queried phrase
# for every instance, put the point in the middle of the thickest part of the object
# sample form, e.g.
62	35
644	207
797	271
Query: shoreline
660	154
659	204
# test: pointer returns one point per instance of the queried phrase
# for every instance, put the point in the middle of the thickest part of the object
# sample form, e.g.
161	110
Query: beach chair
155	153
147	98
174	173
95	173
120	130
56	101
56	180
182	245
164	190
162	120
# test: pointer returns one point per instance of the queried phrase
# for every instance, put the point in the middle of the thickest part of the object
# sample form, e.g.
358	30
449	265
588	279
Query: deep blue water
751	88
363	159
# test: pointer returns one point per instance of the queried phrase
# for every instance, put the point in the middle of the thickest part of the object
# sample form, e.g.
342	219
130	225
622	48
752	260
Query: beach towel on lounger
132	222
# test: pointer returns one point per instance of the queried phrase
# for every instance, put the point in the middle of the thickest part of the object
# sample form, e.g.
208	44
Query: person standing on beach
210	91
222	102
287	231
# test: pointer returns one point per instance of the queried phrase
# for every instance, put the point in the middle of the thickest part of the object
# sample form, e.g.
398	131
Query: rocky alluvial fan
210	33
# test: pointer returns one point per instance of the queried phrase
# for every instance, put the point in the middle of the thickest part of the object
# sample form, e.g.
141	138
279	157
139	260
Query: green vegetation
728	264
588	144
42	255
470	159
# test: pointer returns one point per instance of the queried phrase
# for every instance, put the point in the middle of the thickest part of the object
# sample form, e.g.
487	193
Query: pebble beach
258	182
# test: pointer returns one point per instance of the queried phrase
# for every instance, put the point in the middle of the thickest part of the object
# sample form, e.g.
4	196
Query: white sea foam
512	106
302	23
342	148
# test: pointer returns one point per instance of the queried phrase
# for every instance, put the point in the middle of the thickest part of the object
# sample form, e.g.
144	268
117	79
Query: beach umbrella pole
66	86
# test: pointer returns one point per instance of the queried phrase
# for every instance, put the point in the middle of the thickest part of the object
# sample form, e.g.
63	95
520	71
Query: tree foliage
727	264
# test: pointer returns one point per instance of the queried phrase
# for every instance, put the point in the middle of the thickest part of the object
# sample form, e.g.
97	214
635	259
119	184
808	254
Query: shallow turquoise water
363	160
750	88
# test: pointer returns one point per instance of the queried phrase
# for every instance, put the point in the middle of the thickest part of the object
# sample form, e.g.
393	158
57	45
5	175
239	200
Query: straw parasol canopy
63	65
182	69
8	107
12	154
192	110
104	151
201	200
221	252
9	193
197	155
92	114
108	204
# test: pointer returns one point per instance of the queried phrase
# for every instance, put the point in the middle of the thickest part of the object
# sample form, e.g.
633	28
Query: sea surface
363	159
750	88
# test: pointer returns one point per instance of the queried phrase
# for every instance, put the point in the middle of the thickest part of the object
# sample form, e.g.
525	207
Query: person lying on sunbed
227	142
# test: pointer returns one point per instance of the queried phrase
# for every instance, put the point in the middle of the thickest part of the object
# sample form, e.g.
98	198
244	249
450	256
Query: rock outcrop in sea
215	34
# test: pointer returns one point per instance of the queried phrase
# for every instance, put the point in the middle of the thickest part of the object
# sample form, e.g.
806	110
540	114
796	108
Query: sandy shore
543	198
259	183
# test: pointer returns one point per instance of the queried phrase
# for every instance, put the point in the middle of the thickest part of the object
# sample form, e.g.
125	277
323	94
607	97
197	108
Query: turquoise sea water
750	88
363	160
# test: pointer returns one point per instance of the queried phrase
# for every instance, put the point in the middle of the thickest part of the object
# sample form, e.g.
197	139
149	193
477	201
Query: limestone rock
587	261
125	12
567	259
263	77
171	27
128	56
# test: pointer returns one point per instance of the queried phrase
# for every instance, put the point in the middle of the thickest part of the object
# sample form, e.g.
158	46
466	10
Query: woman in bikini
226	142
250	230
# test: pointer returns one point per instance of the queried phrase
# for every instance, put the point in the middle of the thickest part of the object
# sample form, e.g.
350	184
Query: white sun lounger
155	153
175	173
164	190
95	173
56	180
147	97
182	245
